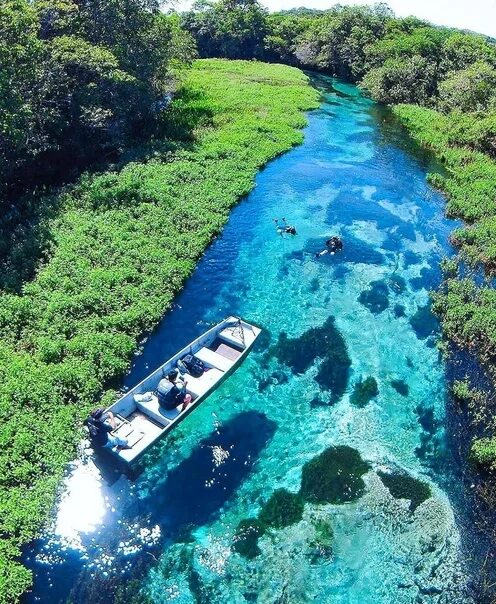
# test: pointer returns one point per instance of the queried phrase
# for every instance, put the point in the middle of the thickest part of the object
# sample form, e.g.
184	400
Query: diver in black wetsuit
333	245
284	227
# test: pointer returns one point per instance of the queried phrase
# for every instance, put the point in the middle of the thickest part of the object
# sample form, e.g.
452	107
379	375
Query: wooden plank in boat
228	352
134	438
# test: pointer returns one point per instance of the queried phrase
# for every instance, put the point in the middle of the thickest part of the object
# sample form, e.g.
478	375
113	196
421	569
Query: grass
465	305
470	182
120	250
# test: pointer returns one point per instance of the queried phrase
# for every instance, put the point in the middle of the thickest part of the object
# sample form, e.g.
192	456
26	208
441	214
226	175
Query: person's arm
111	420
181	382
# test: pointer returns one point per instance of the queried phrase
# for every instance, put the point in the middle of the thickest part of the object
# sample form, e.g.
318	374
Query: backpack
195	367
92	428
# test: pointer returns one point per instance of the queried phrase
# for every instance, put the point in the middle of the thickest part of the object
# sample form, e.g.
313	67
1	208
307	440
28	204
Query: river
170	532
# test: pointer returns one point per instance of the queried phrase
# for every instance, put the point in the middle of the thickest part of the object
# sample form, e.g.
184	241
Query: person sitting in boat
333	245
100	424
171	391
282	226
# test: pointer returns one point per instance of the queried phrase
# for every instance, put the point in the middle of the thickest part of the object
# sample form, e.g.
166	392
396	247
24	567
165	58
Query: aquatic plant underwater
320	470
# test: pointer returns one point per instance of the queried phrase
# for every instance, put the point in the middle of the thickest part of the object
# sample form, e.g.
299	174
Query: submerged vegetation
325	343
364	391
404	486
334	476
282	509
246	537
122	245
401	387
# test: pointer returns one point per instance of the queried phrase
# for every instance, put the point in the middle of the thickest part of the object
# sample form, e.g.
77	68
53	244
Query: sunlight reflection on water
82	506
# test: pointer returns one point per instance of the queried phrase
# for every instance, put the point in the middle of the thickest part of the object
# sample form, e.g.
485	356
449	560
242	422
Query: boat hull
142	421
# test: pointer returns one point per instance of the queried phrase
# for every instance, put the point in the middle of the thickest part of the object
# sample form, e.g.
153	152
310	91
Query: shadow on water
200	485
190	496
393	133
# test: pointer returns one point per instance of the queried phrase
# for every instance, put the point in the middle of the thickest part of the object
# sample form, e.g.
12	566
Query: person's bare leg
187	401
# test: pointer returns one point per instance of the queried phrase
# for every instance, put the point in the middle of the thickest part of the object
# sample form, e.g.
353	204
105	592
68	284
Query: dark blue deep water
170	531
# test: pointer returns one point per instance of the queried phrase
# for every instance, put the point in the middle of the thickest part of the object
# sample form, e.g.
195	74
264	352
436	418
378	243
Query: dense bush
470	89
483	452
409	80
122	245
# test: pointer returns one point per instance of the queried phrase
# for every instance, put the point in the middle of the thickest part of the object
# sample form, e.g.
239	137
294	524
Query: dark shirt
174	398
169	395
99	431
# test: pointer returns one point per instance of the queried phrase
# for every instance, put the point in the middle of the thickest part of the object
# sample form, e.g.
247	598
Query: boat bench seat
232	336
198	386
211	358
156	412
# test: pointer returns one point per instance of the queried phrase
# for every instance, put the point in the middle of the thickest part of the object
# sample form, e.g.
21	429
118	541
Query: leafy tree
20	50
78	80
470	89
410	80
407	25
460	50
283	31
425	42
229	28
344	33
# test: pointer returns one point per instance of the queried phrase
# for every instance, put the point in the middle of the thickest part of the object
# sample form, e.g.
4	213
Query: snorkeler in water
282	227
333	245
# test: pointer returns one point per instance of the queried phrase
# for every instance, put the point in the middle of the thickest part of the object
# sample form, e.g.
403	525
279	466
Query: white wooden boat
140	418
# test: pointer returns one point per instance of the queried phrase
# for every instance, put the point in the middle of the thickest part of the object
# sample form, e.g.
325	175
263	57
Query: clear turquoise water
171	530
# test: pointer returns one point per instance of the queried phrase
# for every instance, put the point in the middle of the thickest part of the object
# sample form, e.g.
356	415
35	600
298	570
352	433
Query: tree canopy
78	80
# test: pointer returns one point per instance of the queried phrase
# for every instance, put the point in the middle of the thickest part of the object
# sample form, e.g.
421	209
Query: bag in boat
92	428
194	366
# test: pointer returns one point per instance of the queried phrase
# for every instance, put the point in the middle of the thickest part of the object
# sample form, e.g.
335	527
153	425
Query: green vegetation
324	343
334	476
246	537
122	244
483	453
282	509
364	391
401	387
461	391
404	486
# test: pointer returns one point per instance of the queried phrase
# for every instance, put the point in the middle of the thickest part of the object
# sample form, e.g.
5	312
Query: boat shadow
192	494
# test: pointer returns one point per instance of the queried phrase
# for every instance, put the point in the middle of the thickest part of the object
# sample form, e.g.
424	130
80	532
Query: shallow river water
171	531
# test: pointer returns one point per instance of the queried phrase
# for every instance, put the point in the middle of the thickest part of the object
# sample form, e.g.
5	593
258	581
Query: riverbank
121	248
466	304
